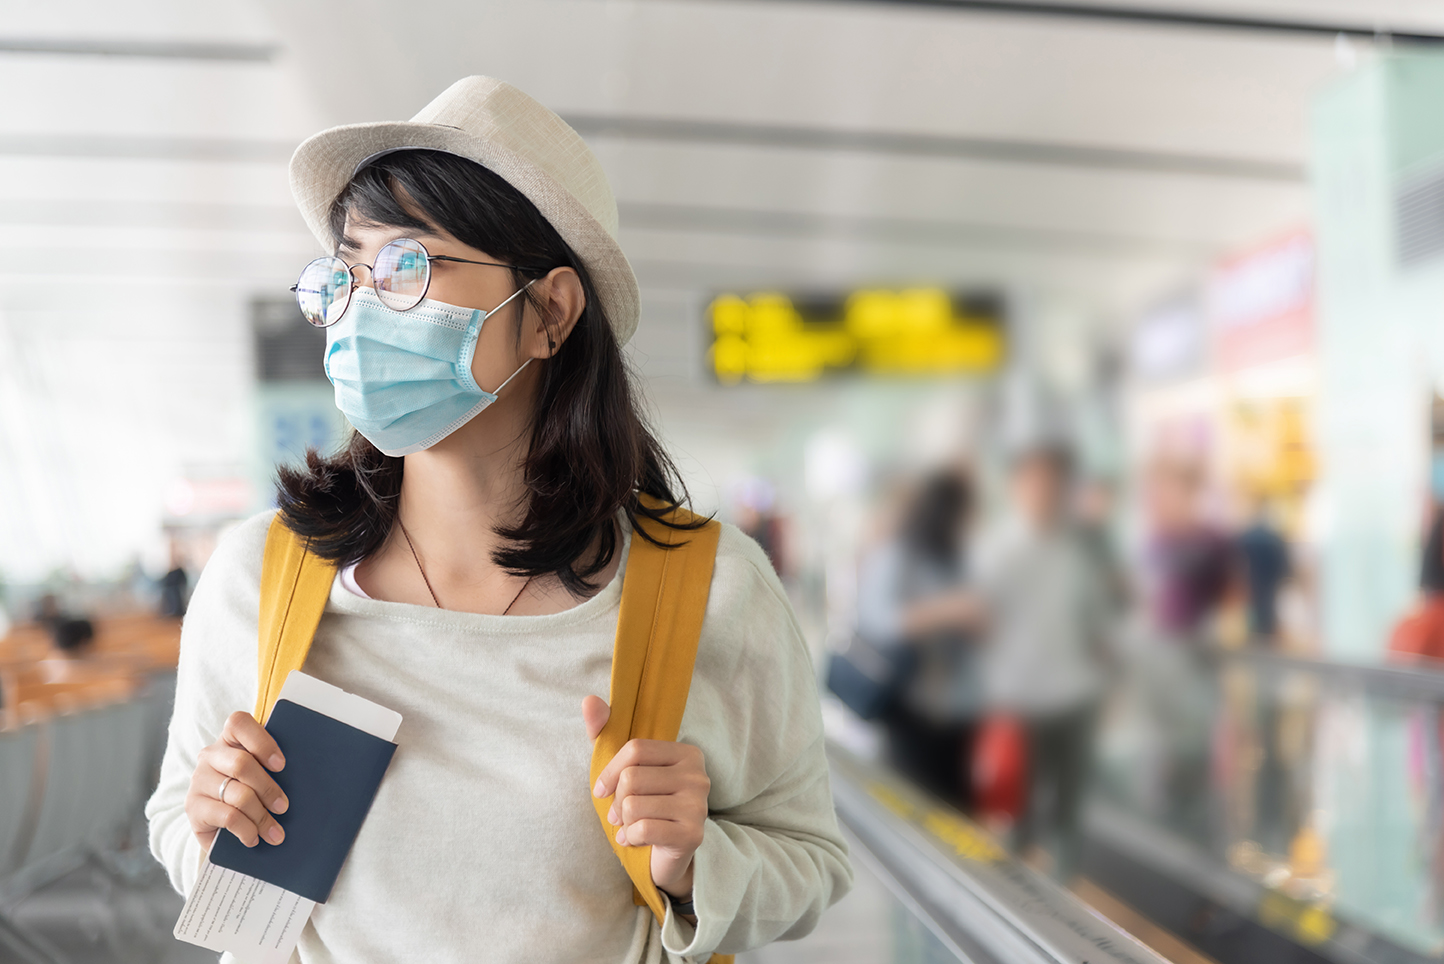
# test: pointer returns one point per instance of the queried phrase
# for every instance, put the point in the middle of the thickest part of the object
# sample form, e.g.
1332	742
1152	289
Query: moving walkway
954	894
1313	834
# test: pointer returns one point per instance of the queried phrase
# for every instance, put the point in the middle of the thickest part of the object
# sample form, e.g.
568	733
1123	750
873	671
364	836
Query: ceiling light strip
933	145
145	49
1171	17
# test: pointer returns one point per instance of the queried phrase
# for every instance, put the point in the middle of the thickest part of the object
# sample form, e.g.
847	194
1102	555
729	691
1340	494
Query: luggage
868	678
1000	769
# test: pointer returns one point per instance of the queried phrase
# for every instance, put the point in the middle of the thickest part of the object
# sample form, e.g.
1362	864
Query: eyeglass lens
324	291
400	276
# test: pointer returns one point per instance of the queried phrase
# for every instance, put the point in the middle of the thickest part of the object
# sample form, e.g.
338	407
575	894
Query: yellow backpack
664	597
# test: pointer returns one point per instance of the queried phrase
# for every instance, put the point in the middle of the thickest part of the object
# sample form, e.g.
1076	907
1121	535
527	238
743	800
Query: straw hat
490	122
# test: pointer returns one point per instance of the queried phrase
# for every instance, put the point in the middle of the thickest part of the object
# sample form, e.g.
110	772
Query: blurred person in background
1263	567
756	516
69	634
1188	560
1094	512
1420	634
71	638
173	585
1263	556
912	593
1049	612
1188	568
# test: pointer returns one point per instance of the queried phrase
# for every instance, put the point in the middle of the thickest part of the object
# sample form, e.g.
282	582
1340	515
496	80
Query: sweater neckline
608	598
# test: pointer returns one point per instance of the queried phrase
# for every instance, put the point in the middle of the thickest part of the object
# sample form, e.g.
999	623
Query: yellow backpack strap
664	598
295	584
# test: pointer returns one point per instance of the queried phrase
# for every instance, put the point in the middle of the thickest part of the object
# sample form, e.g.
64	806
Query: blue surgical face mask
403	378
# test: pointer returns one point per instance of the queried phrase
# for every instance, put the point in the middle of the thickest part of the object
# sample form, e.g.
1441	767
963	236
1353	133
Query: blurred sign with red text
1261	304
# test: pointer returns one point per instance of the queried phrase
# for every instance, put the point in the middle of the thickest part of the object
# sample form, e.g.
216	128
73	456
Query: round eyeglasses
401	275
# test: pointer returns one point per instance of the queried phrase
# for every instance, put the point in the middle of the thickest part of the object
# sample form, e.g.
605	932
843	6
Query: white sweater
482	844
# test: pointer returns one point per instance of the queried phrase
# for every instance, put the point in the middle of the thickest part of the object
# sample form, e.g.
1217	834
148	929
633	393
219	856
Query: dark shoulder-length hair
932	523
591	452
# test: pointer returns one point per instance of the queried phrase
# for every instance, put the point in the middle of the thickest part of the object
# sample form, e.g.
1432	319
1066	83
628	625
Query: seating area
80	747
35	682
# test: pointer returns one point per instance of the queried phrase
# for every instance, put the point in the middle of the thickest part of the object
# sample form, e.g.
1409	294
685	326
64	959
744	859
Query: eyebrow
350	245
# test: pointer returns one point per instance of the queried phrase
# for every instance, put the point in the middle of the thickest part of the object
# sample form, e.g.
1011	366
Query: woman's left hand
661	799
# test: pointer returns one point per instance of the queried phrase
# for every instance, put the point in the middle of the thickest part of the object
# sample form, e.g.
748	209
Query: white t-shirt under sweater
482	843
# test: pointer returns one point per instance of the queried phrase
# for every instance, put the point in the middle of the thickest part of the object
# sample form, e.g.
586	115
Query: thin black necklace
422	569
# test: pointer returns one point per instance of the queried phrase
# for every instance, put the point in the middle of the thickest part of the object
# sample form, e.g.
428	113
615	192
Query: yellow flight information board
914	332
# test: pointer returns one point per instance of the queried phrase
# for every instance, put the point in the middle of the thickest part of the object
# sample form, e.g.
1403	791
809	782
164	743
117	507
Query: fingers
646	780
649	781
676	796
663	805
244	799
657	822
242	810
668	834
242	730
659	792
237	763
595	713
644	753
208	813
232	761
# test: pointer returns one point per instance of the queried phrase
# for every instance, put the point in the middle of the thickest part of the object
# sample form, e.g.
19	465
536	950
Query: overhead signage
1261	303
1168	342
915	332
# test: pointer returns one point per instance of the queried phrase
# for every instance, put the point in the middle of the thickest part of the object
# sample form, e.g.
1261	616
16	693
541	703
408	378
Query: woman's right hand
231	788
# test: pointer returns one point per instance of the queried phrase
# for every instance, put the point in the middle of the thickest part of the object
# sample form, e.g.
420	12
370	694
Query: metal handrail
1405	682
986	907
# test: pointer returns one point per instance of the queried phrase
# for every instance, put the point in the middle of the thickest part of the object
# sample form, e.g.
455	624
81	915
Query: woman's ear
560	301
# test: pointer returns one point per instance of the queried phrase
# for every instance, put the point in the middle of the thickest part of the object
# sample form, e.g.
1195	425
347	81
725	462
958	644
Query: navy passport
331	775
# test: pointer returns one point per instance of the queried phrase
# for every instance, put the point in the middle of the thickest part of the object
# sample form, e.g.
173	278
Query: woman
913	594
482	536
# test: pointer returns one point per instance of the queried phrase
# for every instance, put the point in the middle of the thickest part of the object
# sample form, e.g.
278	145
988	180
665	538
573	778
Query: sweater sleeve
216	677
772	857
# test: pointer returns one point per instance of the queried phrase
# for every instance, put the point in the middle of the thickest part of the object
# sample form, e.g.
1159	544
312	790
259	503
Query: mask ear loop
511	296
494	311
511	376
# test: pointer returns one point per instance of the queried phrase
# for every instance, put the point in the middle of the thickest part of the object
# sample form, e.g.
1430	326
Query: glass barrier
1304	797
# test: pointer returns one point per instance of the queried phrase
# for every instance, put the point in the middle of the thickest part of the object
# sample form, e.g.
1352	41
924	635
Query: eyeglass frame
351	270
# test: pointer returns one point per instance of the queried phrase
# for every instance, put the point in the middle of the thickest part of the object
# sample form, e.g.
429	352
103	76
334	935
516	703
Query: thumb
595	713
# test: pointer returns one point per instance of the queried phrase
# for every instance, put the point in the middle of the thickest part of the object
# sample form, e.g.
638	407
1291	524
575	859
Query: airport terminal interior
924	285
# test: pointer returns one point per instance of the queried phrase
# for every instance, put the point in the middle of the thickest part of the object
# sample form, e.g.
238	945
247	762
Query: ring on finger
224	783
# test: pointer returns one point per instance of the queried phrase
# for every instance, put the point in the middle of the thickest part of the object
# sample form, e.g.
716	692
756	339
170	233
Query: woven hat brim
324	164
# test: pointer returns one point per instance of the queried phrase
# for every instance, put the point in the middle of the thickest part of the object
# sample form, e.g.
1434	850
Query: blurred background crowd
1081	372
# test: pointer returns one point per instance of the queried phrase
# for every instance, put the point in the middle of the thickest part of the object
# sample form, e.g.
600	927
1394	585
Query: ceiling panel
884	66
